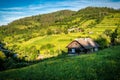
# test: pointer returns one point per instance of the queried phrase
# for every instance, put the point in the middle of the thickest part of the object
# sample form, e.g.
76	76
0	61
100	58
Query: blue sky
11	10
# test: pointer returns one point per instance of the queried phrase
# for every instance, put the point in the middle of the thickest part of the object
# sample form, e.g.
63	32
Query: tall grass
102	65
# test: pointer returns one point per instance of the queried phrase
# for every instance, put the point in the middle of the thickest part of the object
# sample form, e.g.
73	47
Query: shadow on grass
8	59
11	61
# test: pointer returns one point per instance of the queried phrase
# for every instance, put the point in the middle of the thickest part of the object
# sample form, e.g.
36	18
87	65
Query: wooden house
82	45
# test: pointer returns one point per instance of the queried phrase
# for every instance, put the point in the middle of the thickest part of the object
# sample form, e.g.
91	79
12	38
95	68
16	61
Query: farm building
82	45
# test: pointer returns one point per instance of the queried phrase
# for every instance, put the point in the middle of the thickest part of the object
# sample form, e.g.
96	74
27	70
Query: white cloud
7	19
13	8
10	12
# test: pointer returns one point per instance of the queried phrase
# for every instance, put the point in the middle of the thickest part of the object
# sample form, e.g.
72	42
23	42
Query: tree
103	41
108	32
114	36
49	32
65	30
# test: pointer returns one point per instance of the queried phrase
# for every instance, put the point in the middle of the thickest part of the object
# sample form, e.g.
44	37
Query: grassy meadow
102	65
60	41
34	47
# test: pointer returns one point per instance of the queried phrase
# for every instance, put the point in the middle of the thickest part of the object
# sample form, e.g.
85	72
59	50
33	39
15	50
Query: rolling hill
103	65
48	34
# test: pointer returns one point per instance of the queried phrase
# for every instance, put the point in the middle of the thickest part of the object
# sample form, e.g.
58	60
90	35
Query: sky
11	10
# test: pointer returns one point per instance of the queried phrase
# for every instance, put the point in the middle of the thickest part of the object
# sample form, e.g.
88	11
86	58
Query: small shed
82	45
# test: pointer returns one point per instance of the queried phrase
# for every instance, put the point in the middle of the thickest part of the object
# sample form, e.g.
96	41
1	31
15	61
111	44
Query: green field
47	35
102	65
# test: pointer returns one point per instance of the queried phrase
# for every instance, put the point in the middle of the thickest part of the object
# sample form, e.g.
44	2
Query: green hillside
58	22
103	65
47	35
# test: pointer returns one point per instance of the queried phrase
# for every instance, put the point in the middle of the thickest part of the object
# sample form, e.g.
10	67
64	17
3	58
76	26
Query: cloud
7	19
13	8
12	13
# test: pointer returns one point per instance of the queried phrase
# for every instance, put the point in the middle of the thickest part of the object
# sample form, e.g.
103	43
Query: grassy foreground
103	65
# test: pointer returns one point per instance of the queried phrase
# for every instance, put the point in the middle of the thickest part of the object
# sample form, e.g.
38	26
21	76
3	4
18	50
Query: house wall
74	50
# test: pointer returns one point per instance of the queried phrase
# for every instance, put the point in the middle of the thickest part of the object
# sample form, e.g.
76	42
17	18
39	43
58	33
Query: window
96	49
73	50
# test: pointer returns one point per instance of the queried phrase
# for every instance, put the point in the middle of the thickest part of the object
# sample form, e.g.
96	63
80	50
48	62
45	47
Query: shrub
2	55
47	46
108	32
103	41
49	32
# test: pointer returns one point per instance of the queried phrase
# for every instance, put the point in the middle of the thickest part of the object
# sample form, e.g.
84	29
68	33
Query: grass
102	65
62	40
86	23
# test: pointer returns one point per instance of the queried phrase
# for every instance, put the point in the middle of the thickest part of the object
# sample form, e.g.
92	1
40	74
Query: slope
54	23
103	65
48	34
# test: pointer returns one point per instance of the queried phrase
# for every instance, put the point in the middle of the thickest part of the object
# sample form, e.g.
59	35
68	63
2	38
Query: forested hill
35	24
45	19
54	23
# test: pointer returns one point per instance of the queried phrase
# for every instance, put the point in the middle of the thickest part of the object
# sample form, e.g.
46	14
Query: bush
47	46
49	32
108	32
2	55
103	41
